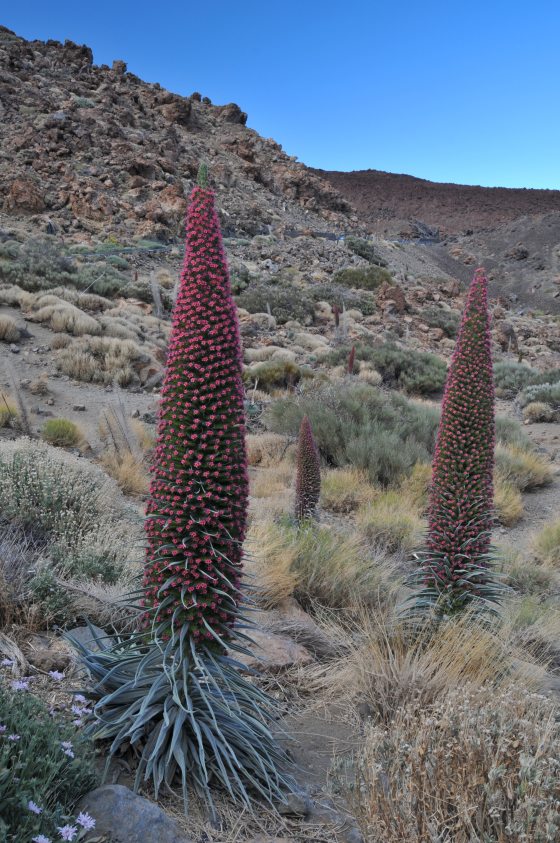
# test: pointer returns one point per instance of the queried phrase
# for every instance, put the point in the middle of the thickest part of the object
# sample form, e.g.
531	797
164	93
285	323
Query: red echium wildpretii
308	478
173	690
199	489
455	561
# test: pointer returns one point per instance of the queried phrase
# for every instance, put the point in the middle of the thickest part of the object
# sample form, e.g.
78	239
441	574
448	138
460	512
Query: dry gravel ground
35	359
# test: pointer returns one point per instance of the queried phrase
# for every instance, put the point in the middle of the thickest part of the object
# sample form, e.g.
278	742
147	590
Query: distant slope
387	202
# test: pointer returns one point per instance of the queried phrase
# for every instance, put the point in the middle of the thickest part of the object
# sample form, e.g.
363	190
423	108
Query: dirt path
540	505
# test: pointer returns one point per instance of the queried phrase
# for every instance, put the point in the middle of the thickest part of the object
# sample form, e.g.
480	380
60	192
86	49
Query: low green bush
362	278
416	372
344	296
510	378
61	432
46	766
545	393
286	302
275	374
384	434
447	320
364	249
70	506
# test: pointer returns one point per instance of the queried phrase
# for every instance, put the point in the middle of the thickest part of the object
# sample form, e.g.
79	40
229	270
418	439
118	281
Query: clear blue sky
451	91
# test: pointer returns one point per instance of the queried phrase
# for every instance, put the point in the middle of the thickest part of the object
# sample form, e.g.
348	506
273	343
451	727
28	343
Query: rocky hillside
95	149
99	161
394	204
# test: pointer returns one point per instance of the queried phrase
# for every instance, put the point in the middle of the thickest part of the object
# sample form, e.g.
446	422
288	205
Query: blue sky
449	91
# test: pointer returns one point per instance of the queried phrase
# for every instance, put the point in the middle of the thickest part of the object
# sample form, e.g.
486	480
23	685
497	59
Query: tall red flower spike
175	692
308	480
455	563
198	494
351	360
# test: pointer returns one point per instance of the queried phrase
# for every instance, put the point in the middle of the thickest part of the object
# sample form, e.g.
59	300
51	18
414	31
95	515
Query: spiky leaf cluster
198	494
308	479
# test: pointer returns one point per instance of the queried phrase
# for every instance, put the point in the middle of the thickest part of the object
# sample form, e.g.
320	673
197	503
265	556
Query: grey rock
347	830
79	408
126	817
86	636
13	348
297	804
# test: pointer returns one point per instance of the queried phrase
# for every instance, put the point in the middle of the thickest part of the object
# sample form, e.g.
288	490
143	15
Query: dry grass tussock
101	360
527	578
392	522
477	764
388	665
8	410
124	457
344	490
62	316
267	449
546	545
273	481
508	502
316	564
129	472
9	331
522	468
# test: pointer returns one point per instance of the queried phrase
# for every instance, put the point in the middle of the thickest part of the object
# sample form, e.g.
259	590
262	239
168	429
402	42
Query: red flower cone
198	495
308	480
454	565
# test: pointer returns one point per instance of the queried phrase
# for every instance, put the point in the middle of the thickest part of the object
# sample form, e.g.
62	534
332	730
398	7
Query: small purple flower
41	839
79	698
20	685
56	675
3	728
67	748
85	821
14	738
7	662
67	832
77	722
34	808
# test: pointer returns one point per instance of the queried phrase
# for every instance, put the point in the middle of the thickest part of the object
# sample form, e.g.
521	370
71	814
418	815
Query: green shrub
364	249
337	294
101	278
275	374
510	378
44	763
61	432
39	264
545	393
510	432
70	505
416	372
286	302
384	434
447	320
362	278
